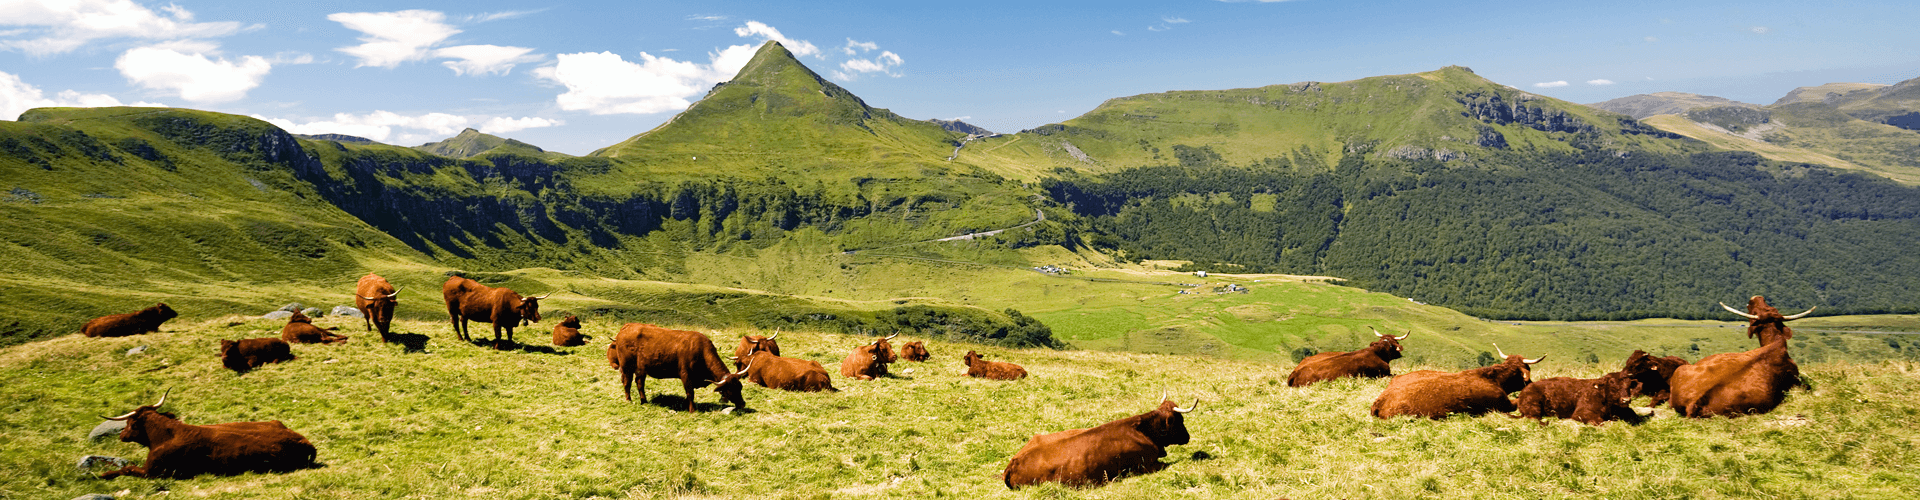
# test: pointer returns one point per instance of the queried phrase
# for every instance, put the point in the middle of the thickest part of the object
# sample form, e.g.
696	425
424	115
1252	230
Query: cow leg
626	385
496	336
689	385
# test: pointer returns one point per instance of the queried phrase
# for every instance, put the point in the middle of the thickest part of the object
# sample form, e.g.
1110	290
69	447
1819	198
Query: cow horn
1376	332
1744	314
123	417
1534	360
1404	337
1196	404
163	397
776	334
542	297
743	369
895	334
1503	354
368	298
1802	315
1163	397
396	293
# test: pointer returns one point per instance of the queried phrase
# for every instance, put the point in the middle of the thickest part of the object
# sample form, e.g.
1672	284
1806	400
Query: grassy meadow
452	420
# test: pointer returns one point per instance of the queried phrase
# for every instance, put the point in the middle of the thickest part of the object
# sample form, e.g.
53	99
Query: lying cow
751	343
1589	401
1095	456
869	360
1741	383
641	350
300	330
977	367
133	323
244	355
1370	362
1652	373
1435	395
376	298
567	333
915	351
787	374
180	451
501	307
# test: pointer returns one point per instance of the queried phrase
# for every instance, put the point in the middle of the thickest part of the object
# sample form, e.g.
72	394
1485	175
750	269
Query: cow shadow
513	345
410	343
678	403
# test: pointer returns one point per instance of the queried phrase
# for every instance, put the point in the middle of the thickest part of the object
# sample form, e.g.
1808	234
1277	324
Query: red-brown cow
1652	373
978	367
300	330
244	355
1095	456
133	323
376	298
641	350
1370	362
787	374
180	451
567	333
1741	383
751	343
915	351
1591	401
503	308
870	360
1435	395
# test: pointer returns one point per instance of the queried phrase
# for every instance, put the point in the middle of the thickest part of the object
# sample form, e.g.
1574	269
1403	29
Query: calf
641	350
300	330
996	370
1097	455
376	298
1589	401
244	355
870	360
567	333
751	343
915	351
1369	362
180	451
1435	395
133	323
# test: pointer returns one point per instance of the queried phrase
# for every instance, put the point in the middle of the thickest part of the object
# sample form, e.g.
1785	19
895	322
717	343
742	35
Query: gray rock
93	496
312	312
109	429
346	311
91	462
137	351
291	307
279	315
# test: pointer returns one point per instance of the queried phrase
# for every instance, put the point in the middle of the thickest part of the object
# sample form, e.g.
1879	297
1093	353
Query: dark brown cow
1370	362
244	355
567	333
1652	373
180	451
915	351
751	343
978	367
1435	395
870	360
300	330
376	298
469	300
641	350
1095	456
787	374
133	323
1741	383
1591	401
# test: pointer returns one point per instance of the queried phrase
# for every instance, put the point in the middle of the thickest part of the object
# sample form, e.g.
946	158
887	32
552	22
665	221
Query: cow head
1513	374
971	358
728	386
1765	322
1646	371
158	313
229	357
1617	388
750	344
297	317
380	307
1388	346
883	349
140	420
915	351
571	322
1167	424
529	309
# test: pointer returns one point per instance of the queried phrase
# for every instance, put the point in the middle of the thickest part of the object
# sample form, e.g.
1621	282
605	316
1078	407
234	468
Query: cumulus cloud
484	59
392	38
384	126
1601	81
1548	85
797	47
54	27
860	46
185	69
884	64
17	96
503	125
496	16
604	83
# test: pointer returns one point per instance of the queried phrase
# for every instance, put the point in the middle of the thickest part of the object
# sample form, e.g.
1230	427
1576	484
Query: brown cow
1095	456
567	333
180	451
641	350
869	360
1652	373
915	351
751	343
1435	395
1741	383
1590	401
133	323
375	298
979	367
468	299
787	374
1370	362
244	355
300	330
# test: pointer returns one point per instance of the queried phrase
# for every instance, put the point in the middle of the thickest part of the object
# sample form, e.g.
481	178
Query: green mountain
470	143
1664	103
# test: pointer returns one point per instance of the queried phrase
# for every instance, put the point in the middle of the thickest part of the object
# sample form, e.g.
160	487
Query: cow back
1438	394
1334	365
788	374
1734	384
1093	456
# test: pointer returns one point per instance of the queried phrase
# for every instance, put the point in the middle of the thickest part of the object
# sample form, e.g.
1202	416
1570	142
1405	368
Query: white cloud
885	64
504	125
16	96
1158	27
1174	20
496	16
394	37
1761	29
484	59
1117	32
863	46
193	76
604	83
1548	85
797	47
1602	81
56	26
385	126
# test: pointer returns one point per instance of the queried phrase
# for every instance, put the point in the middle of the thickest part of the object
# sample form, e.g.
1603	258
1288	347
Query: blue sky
576	76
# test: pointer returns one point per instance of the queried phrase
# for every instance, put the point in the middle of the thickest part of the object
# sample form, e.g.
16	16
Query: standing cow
469	300
1097	455
133	323
1741	383
376	298
869	360
915	351
1435	395
641	350
978	367
1370	362
751	343
300	330
244	355
566	333
180	451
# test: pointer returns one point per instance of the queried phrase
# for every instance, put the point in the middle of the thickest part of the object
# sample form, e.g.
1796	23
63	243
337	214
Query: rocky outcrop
961	127
1501	109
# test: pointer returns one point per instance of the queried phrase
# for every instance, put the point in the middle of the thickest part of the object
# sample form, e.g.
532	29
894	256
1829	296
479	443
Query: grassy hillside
459	421
1872	128
470	143
1642	106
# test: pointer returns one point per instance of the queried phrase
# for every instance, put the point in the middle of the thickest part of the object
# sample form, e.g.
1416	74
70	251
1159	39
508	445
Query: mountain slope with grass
470	143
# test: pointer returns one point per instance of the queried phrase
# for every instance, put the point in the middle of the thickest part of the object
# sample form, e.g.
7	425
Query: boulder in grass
291	307
107	430
93	462
137	351
279	315
312	312
347	311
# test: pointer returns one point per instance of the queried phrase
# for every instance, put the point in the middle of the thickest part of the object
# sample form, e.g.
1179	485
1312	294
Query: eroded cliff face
1501	109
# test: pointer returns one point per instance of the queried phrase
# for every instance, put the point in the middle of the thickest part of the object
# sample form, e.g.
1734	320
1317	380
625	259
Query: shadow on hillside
679	403
411	342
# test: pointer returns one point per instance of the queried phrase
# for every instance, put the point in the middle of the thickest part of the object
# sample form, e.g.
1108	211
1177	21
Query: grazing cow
1590	401
376	298
1370	362
641	350
469	300
300	330
1741	383
787	374
978	367
180	451
751	343
133	323
567	333
1097	455
869	360
246	354
915	351
1435	395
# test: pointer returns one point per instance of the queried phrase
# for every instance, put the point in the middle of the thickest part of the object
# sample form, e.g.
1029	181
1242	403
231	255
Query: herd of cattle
1730	384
